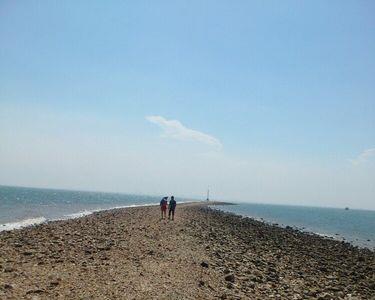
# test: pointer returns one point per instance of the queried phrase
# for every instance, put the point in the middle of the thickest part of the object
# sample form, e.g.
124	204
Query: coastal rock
35	291
9	269
229	277
7	286
201	283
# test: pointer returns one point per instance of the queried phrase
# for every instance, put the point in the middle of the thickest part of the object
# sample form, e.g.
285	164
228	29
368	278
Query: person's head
172	198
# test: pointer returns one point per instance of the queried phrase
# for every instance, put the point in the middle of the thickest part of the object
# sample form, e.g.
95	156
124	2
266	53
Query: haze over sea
20	207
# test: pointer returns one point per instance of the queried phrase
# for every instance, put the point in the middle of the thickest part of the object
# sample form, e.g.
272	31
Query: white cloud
363	157
175	130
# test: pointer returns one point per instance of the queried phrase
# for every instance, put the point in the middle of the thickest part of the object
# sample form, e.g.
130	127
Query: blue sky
286	89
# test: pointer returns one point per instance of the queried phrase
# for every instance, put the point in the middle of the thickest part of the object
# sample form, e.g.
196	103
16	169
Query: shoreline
35	221
364	243
129	253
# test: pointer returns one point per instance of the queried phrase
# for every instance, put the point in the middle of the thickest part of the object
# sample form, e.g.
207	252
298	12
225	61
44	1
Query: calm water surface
26	206
355	226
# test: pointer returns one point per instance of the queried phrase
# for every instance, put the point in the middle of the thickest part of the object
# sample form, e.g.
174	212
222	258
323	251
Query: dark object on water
346	208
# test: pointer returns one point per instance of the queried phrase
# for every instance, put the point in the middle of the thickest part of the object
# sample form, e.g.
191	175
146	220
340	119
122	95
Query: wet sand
204	254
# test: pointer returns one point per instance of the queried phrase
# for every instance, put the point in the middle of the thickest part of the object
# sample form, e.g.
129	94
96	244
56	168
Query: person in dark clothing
163	207
172	207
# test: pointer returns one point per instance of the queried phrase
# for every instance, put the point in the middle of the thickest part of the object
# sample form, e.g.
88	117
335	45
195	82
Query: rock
230	285
251	285
361	259
55	280
54	283
8	269
106	247
323	269
312	292
204	264
325	296
35	291
201	283
7	286
229	277
333	288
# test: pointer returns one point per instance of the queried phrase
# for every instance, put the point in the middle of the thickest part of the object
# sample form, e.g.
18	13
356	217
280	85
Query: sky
261	101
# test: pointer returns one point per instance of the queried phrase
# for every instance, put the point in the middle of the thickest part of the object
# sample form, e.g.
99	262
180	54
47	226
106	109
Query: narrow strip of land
202	254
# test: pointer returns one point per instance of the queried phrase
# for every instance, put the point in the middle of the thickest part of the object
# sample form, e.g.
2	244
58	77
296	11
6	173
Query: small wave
133	205
21	224
140	205
326	235
78	214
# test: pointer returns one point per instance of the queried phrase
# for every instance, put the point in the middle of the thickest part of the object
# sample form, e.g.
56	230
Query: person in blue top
172	207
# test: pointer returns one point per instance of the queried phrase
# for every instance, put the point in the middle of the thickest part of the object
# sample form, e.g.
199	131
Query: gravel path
132	254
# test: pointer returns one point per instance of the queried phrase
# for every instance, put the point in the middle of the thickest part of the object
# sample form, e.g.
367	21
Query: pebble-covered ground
268	262
203	254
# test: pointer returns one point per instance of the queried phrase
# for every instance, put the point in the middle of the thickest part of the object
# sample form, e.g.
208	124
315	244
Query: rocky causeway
203	254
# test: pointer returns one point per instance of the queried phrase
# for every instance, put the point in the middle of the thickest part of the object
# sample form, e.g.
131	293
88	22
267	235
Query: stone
7	286
229	277
35	291
230	285
8	269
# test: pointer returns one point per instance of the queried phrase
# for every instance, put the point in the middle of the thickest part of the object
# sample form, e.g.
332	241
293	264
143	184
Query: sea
21	207
350	225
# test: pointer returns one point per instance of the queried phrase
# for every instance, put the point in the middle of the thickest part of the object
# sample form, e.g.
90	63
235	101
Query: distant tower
208	194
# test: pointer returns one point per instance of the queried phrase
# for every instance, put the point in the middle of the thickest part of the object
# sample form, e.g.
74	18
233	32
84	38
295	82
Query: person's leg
172	214
169	214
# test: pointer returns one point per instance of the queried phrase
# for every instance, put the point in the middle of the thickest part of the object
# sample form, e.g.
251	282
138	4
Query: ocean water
354	226
20	207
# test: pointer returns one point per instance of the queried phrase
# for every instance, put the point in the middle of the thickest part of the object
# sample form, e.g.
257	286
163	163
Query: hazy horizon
262	102
178	197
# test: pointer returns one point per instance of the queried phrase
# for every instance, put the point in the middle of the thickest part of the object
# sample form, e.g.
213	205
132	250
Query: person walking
172	207
163	207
